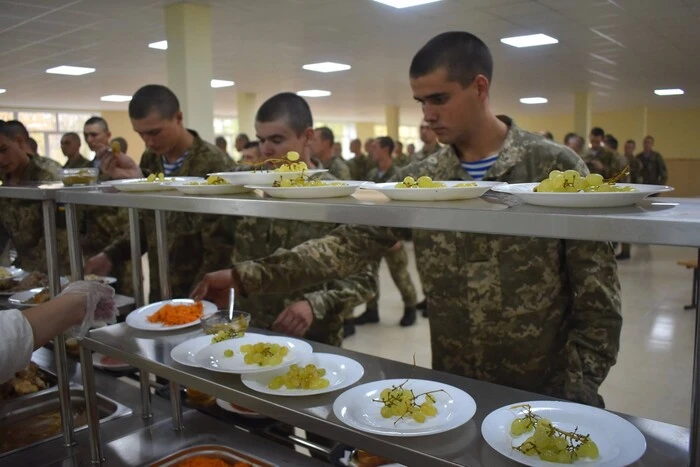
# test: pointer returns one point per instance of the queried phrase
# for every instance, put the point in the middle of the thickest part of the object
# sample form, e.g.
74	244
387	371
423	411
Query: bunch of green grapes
307	377
159	177
571	181
211	180
302	181
290	163
550	443
422	182
402	403
465	184
264	354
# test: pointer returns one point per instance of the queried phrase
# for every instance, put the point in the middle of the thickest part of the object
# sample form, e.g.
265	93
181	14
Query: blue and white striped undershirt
169	168
478	169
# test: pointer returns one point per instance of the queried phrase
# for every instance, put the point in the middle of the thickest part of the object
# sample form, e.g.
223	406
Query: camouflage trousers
398	268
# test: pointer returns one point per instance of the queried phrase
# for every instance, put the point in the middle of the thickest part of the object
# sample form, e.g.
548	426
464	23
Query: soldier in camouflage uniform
396	257
361	164
196	243
532	313
19	132
600	159
654	171
635	176
70	146
23	220
430	143
400	157
322	150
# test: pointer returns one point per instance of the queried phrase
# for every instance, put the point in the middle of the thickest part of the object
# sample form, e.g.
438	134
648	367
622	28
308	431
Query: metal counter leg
145	380
695	403
93	419
136	270
176	405
49	212
163	260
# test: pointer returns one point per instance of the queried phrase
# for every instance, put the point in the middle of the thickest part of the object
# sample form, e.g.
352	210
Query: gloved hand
99	304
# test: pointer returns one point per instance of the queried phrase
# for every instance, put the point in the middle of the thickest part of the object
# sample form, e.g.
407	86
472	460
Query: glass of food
222	328
78	177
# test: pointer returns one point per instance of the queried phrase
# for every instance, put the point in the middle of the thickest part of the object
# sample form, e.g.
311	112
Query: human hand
295	320
99	265
99	303
119	166
395	247
216	287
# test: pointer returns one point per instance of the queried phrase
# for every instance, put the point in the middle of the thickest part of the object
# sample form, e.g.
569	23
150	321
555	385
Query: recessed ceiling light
529	41
2	91
160	45
115	98
669	92
326	67
221	83
533	100
405	3
70	70
314	93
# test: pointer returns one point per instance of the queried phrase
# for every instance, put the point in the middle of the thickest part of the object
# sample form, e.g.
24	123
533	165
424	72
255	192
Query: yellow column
582	114
245	104
642	126
391	113
189	64
364	130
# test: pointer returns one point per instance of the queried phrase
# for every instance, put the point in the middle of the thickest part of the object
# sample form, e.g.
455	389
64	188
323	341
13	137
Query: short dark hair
462	54
630	141
569	135
288	106
220	139
72	135
123	146
97	121
252	144
243	136
548	135
598	131
33	144
385	142
649	137
153	98
17	128
611	141
326	134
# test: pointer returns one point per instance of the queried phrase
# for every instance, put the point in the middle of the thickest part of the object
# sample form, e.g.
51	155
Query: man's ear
482	85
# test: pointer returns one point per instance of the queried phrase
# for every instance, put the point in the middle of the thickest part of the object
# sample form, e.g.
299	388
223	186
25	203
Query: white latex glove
99	304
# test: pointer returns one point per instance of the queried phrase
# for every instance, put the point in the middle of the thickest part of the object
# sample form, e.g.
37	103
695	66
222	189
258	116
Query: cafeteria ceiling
618	50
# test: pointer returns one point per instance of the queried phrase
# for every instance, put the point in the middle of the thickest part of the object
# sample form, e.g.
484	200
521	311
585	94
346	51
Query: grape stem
571	437
623	173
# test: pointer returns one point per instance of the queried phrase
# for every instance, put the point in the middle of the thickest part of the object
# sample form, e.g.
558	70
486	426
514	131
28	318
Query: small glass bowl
78	177
224	328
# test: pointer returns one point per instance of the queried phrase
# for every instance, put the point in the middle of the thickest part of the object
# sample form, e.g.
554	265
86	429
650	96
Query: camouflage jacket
635	166
386	176
425	152
197	244
257	237
654	171
338	168
49	165
24	223
610	161
402	160
360	167
532	313
77	163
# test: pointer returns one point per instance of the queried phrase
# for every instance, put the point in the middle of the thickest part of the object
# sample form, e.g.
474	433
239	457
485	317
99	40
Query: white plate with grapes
615	441
207	188
425	189
184	352
149	184
317	373
232	356
362	407
264	177
310	189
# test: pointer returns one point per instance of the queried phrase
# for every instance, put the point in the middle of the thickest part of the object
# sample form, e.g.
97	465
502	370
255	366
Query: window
38	121
4	115
228	128
407	134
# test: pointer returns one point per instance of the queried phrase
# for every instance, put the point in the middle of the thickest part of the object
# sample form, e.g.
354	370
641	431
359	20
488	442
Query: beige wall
120	125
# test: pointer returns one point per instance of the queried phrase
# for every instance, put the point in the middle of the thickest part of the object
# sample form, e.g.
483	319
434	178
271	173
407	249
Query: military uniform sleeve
342	252
594	335
341	294
217	243
342	172
663	171
119	251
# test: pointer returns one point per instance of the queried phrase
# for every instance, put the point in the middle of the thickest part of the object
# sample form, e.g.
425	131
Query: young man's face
250	156
277	139
451	110
595	140
427	136
355	146
70	146
159	134
11	154
629	148
648	144
96	137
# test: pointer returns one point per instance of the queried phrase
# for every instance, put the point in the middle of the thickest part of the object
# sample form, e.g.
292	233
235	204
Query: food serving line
656	221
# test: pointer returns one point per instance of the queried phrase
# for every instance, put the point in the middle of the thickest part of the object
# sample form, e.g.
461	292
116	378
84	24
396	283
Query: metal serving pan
216	451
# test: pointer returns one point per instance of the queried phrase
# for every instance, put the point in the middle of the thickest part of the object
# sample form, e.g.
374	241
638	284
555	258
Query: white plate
19	298
212	357
184	352
447	193
309	192
97	363
619	442
262	177
356	408
141	185
208	190
139	318
13	272
229	408
341	372
107	280
582	200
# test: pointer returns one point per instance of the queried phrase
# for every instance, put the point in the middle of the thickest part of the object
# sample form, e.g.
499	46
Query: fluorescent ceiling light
405	3
326	67
314	93
2	91
669	92
533	100
221	83
160	45
70	70
115	98
529	41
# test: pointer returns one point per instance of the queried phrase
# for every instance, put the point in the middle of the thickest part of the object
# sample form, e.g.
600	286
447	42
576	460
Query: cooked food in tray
32	281
27	381
41	297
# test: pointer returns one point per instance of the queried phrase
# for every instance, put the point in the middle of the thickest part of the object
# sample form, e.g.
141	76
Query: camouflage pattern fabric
49	165
610	161
425	151
402	160
197	244
635	165
338	168
77	163
537	314
654	171
360	167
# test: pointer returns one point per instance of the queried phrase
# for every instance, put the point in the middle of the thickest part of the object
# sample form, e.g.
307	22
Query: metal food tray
217	451
47	376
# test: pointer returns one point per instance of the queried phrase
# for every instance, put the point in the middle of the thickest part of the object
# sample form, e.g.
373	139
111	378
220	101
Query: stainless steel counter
667	444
